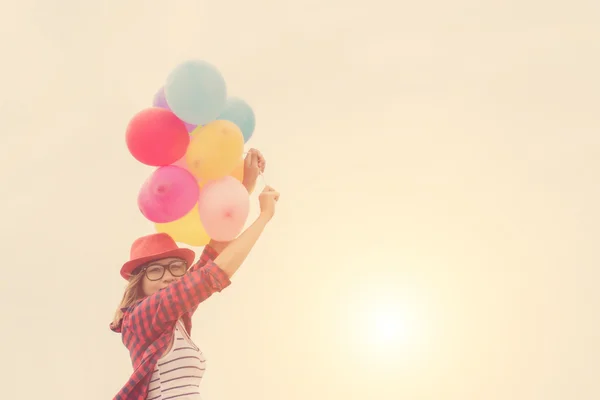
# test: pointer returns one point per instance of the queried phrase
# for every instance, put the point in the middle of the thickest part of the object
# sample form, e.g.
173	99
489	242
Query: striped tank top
178	373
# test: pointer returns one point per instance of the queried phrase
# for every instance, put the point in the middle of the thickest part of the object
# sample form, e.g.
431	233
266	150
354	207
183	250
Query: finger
267	189
254	160
261	158
248	159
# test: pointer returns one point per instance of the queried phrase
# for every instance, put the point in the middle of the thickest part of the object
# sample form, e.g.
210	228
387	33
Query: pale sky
438	164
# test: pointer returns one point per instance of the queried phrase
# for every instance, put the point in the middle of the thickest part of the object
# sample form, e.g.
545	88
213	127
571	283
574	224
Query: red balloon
156	137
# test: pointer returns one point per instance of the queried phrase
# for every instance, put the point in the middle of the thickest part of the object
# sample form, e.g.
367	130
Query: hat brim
186	254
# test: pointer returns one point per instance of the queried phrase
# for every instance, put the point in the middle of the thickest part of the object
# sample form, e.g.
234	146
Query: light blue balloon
240	113
196	92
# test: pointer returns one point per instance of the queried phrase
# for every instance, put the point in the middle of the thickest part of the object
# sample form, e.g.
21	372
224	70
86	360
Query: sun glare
386	328
385	325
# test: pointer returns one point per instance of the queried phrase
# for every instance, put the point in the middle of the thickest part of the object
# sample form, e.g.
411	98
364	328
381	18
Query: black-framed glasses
155	271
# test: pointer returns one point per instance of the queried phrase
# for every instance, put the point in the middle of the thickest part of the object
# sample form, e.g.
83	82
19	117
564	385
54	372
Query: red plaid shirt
147	326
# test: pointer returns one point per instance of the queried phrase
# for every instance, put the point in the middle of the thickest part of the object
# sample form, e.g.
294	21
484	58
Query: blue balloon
239	112
196	92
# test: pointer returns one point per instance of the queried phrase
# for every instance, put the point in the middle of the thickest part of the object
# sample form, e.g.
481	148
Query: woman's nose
168	276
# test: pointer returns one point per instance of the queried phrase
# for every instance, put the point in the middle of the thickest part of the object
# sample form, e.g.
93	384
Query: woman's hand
236	252
254	165
268	198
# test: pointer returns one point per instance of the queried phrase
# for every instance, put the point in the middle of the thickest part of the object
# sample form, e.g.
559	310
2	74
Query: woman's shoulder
120	326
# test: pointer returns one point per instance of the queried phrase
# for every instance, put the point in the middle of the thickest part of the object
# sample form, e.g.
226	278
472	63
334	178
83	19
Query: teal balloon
196	92
240	113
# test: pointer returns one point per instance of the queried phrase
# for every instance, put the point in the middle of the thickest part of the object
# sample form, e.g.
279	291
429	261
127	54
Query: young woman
154	317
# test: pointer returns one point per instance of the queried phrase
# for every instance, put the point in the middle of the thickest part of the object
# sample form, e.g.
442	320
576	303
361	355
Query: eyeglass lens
155	272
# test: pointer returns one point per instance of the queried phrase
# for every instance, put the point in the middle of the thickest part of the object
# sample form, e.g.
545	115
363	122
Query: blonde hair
133	293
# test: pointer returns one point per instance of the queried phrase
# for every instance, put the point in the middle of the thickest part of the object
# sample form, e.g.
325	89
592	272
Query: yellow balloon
188	229
237	173
214	150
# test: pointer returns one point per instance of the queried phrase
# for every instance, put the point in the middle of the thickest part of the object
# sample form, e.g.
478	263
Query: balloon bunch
194	134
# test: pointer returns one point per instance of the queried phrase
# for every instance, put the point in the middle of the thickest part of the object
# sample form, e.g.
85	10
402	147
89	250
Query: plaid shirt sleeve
208	254
157	312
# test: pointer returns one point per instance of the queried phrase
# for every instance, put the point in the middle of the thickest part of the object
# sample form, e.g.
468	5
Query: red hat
154	247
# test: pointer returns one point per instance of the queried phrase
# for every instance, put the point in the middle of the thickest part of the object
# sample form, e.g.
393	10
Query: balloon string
263	178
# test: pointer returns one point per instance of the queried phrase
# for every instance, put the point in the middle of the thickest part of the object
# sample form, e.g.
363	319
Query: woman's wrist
264	217
249	185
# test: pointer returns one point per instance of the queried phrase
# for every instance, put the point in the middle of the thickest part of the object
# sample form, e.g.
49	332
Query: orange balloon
214	150
238	172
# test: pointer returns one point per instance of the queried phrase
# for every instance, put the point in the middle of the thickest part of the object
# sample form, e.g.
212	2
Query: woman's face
158	274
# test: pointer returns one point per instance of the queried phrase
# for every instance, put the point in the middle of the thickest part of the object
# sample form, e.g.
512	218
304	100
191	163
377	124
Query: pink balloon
156	137
168	194
224	205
